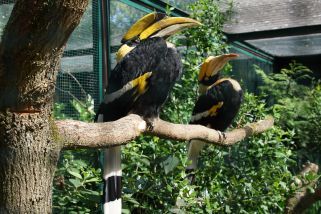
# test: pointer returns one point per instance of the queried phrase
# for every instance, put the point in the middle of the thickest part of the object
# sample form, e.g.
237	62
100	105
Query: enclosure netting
244	69
79	71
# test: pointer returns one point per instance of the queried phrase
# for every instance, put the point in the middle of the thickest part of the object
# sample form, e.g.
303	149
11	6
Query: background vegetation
253	176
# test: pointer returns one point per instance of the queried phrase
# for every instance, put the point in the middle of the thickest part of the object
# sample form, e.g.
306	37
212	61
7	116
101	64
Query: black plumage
140	83
217	105
150	55
224	98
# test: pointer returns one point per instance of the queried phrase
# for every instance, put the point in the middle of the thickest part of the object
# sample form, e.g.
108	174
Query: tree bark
302	198
30	51
28	158
77	134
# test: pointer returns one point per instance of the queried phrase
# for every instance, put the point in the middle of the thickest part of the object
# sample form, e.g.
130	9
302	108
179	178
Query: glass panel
290	46
5	11
82	37
180	4
122	17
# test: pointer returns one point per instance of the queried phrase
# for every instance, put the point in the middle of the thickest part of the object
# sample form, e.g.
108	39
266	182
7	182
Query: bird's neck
202	88
207	83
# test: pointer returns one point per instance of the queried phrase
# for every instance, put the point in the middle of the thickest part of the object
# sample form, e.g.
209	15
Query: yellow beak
213	64
169	25
141	25
158	24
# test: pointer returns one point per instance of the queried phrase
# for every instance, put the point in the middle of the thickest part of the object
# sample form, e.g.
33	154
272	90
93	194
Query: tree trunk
31	47
28	158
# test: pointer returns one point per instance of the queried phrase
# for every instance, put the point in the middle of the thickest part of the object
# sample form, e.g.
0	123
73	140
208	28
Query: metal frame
105	32
155	5
253	52
98	46
267	34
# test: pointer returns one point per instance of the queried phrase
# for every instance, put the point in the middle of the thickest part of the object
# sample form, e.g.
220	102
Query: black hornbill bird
217	105
146	71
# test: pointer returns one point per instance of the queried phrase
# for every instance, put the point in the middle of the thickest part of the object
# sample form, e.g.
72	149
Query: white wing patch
211	112
113	96
140	82
199	116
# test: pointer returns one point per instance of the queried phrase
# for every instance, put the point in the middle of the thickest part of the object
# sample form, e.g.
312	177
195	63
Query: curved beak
141	25
213	64
168	26
158	24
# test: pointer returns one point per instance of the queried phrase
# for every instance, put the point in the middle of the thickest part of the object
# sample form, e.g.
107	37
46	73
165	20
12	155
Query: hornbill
146	71
217	105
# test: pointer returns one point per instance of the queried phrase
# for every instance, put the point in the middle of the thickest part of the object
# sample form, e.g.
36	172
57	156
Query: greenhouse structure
278	44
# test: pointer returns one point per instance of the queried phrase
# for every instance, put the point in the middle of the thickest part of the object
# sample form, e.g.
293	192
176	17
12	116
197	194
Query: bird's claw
150	125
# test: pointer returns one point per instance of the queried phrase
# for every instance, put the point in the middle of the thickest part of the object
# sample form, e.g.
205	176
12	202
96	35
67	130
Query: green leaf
92	180
75	182
170	163
74	172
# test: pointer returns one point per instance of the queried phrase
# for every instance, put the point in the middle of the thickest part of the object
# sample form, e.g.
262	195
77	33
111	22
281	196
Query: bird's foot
149	125
222	136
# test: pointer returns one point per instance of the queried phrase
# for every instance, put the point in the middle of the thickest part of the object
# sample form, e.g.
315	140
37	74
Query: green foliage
252	176
85	108
208	38
296	96
290	82
58	111
248	177
297	99
77	182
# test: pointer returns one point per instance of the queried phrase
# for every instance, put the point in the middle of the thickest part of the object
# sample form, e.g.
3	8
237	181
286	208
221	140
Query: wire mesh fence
78	74
79	71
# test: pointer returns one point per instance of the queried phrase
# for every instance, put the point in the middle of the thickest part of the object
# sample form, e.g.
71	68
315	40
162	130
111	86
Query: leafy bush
252	176
296	96
248	177
297	100
77	182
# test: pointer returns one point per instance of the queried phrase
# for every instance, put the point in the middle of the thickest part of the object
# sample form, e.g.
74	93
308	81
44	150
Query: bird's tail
112	178
194	150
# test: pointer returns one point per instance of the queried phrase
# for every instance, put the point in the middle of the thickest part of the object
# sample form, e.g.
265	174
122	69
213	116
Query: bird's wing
207	106
219	105
141	60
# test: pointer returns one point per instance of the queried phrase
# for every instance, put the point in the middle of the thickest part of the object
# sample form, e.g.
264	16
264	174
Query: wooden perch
77	134
303	198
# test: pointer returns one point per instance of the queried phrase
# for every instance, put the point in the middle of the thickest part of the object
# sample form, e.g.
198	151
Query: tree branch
77	134
302	199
